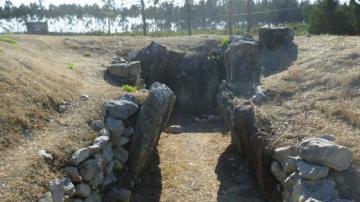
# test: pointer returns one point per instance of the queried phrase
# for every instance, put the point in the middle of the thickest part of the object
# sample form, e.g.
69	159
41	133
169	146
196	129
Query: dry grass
34	79
323	93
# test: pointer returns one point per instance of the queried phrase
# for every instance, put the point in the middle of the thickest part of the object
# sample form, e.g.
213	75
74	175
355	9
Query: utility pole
202	3
143	16
230	17
248	16
188	5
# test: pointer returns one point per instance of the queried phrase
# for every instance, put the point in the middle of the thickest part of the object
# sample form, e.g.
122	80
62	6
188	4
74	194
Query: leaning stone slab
322	190
326	153
311	171
152	119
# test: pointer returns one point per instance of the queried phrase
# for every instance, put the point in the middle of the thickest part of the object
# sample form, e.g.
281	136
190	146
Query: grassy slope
319	93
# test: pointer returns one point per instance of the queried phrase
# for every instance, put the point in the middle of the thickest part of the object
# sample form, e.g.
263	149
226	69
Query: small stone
62	108
120	141
121	154
80	156
329	137
174	129
116	127
312	172
116	194
104	132
325	153
281	154
129	97
44	154
118	166
107	154
277	172
258	97
97	180
97	125
83	190
109	179
290	181
94	197
56	187
128	132
121	109
291	164
94	149
84	97
322	190
102	141
90	168
73	174
69	187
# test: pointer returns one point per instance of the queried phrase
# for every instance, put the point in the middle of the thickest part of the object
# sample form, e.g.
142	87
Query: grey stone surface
322	190
277	171
97	125
121	109
118	195
115	126
290	181
120	141
90	168
73	174
326	153
107	154
104	132
281	154
56	187
94	197
311	171
83	190
102	141
69	187
328	136
80	156
121	154
128	132
291	164
153	117
46	197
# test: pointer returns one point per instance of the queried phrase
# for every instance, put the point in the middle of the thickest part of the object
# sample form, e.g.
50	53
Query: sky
83	2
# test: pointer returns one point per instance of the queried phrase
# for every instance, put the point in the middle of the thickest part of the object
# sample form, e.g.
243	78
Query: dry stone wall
100	172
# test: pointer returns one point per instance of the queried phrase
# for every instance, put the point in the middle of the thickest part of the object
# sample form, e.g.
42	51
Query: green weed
129	88
71	66
7	39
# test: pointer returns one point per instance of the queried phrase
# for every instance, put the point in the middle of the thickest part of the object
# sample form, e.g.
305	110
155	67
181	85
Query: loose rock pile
125	72
93	173
302	169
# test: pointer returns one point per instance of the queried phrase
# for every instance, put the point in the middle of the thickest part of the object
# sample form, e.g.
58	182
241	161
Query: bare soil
199	164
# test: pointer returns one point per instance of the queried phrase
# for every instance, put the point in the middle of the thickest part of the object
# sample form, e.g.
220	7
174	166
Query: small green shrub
71	66
225	42
129	88
7	39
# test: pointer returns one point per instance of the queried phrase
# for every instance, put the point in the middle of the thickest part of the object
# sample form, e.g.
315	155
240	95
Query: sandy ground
197	165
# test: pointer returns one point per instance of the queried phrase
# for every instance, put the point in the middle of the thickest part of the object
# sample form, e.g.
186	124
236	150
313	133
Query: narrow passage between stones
199	164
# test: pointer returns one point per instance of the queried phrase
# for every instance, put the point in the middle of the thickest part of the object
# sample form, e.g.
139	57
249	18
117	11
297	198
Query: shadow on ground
236	182
149	186
278	60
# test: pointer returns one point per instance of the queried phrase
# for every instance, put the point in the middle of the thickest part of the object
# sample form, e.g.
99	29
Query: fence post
143	16
188	5
248	25
230	18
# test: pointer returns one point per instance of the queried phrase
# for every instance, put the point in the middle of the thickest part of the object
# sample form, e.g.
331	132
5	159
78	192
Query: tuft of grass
8	40
129	88
71	66
225	42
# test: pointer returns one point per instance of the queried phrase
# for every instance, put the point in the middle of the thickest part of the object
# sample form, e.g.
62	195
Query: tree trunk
143	16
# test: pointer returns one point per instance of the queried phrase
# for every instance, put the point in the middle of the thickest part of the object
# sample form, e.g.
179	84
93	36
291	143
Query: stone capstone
121	109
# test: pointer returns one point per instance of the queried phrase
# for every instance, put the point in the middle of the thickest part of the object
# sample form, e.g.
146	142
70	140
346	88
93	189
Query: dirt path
197	165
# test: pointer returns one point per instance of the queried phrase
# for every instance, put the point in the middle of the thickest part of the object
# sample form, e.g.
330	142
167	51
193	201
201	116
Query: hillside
316	93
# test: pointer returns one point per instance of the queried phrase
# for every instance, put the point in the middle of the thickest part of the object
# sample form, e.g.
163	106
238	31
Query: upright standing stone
241	67
152	119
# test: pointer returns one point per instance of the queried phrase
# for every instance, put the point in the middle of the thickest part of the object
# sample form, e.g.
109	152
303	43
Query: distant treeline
323	16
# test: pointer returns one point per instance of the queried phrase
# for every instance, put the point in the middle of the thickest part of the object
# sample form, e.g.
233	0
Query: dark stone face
194	77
